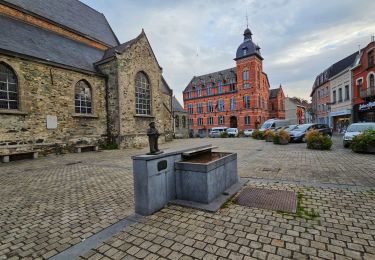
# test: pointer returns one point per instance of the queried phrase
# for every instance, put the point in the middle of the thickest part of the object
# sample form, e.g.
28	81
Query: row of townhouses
345	92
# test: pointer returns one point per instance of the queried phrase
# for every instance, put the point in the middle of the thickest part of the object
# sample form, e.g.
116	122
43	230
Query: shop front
340	120
364	112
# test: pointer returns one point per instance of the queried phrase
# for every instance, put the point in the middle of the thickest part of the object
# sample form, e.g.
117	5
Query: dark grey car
298	133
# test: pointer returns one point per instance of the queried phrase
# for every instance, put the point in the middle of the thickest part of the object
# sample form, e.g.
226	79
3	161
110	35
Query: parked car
232	132
273	124
298	133
216	131
354	130
248	132
290	128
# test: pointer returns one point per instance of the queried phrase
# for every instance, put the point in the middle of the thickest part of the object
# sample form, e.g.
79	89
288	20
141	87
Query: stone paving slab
345	229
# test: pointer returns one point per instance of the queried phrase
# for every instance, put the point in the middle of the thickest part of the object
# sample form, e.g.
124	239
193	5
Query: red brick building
364	85
236	97
320	97
277	103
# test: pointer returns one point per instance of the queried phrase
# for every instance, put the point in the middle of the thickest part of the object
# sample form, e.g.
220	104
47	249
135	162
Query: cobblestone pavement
52	203
345	229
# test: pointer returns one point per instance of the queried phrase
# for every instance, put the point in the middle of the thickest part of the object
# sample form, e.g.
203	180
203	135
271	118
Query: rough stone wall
180	131
167	116
131	127
110	69
46	90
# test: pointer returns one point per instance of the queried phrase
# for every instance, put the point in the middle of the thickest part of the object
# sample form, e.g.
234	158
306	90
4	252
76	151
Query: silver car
354	130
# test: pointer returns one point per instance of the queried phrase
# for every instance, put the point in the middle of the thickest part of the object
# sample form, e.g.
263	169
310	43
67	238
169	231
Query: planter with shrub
281	137
364	143
258	135
224	134
318	141
268	135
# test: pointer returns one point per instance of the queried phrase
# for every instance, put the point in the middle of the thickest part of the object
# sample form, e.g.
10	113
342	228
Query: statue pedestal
155	153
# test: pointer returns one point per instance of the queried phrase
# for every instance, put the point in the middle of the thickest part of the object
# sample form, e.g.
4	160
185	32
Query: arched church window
8	87
177	121
83	97
142	94
183	121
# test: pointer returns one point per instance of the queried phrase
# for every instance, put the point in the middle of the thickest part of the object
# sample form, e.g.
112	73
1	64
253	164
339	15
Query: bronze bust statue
153	136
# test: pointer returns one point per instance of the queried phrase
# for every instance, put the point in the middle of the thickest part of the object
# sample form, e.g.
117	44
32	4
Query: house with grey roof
66	80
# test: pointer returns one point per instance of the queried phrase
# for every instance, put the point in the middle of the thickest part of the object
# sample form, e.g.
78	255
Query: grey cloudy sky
299	38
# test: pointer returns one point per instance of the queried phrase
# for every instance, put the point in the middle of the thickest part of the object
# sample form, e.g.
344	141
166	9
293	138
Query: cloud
299	39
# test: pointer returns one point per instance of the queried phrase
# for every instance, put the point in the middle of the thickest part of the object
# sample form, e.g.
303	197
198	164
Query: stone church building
66	79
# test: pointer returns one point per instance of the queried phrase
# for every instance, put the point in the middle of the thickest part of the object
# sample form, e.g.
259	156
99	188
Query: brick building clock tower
250	75
235	97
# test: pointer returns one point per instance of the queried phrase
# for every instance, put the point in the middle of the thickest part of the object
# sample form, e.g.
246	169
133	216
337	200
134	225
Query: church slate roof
25	39
213	77
118	49
72	14
176	106
274	92
165	87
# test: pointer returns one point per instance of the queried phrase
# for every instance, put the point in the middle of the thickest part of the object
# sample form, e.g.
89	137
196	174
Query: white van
274	123
216	131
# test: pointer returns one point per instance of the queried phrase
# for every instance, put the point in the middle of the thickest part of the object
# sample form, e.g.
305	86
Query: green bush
224	134
268	135
317	141
363	142
258	135
281	137
110	146
240	133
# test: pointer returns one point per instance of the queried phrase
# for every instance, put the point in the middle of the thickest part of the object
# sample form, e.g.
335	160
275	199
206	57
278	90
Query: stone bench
79	148
6	157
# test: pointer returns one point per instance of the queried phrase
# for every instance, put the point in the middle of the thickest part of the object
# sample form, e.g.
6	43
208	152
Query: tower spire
247	21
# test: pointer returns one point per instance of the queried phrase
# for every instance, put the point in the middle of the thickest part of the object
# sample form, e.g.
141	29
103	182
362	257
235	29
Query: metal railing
369	92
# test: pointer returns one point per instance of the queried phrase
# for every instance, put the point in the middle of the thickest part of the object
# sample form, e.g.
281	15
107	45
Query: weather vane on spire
247	21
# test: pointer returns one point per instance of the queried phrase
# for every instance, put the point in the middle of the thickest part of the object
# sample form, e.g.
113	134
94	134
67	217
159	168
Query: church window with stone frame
177	121
183	121
83	98
8	88
142	94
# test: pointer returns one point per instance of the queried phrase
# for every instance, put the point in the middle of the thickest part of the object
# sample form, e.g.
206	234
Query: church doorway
233	122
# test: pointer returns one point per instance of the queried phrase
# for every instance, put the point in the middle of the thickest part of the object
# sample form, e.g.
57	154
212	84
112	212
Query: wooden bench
6	157
79	148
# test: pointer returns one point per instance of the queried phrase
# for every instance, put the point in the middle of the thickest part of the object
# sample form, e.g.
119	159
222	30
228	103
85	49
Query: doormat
278	200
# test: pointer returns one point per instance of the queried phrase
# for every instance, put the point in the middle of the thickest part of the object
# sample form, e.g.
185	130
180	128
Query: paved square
52	203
